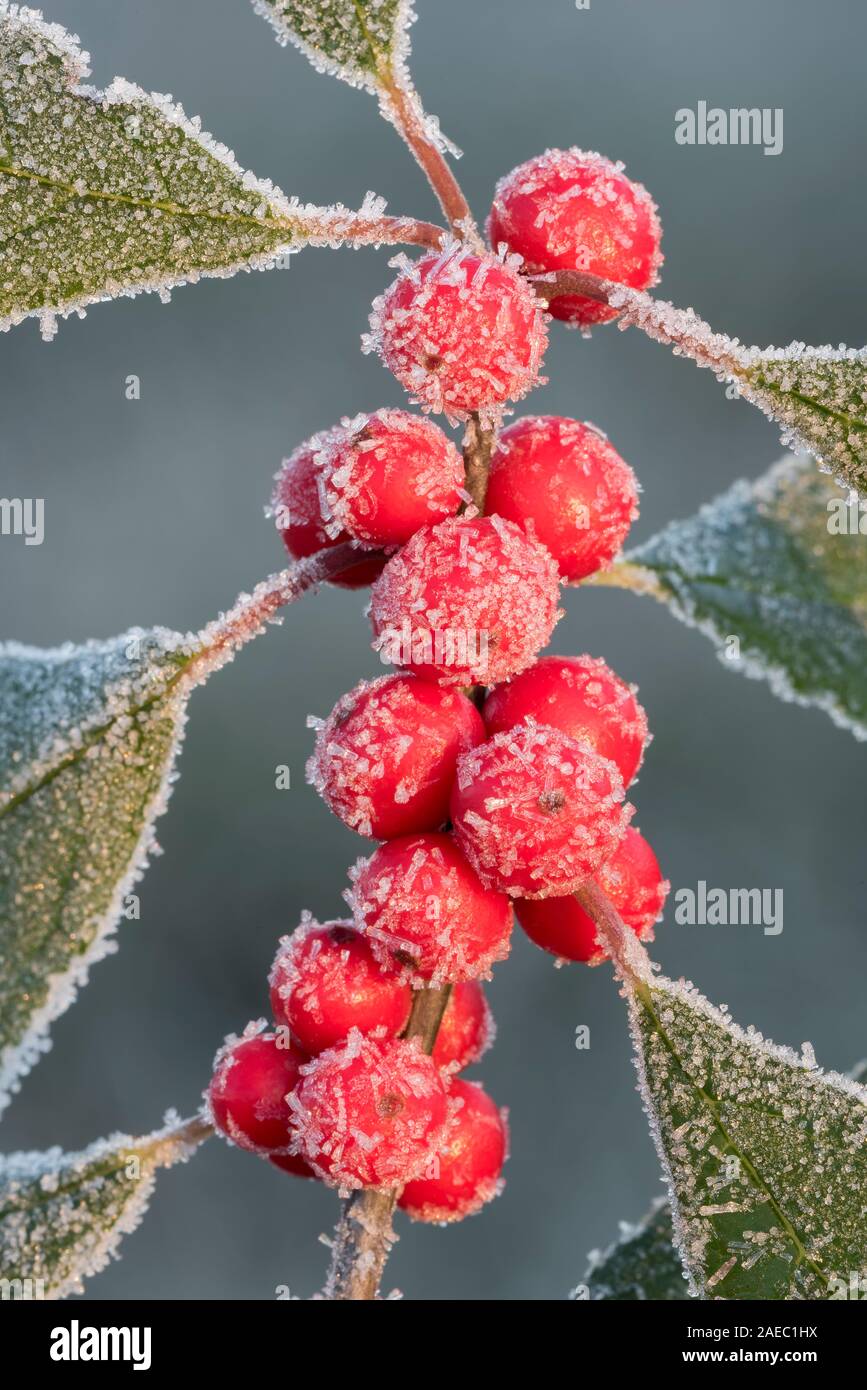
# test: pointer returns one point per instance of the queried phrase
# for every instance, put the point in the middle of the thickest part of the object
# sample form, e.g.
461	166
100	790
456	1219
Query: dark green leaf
775	573
360	41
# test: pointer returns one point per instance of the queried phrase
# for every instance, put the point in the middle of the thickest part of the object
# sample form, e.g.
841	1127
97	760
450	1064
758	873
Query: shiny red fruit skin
385	757
467	1028
466	1172
298	513
583	697
469	601
387	474
575	210
460	332
371	1113
247	1095
420	903
536	812
564	482
325	981
632	880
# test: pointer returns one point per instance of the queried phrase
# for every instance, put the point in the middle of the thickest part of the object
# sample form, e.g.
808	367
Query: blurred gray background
154	515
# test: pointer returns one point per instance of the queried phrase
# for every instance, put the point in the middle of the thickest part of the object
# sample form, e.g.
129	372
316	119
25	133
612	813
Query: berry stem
478	447
404	111
623	574
572	282
630	959
403	229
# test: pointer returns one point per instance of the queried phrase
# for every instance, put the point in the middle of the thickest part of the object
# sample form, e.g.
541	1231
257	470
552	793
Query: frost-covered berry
470	601
423	906
325	981
460	332
465	1174
370	1113
297	510
536	812
385	475
632	880
247	1096
566	483
467	1028
583	697
575	210
385	757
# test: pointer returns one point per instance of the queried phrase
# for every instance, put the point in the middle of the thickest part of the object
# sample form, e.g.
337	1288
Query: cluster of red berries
495	779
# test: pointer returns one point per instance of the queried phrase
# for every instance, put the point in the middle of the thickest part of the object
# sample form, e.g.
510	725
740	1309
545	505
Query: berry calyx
575	210
385	757
421	905
461	332
465	1174
633	881
385	475
536	812
467	1028
325	981
297	510
568	486
370	1113
469	601
581	696
247	1096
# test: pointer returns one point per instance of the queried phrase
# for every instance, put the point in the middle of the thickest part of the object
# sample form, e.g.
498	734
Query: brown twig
478	446
548	286
403	109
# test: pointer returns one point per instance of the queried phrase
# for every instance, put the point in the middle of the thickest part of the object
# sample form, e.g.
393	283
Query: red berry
581	696
536	812
387	474
297	510
325	981
465	1174
574	210
292	1163
370	1113
467	1028
568	486
469	601
459	331
385	757
421	904
247	1096
632	880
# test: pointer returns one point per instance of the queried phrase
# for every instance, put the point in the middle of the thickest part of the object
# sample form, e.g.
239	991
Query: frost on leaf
360	41
818	395
765	1154
642	1264
116	192
62	1216
780	565
88	736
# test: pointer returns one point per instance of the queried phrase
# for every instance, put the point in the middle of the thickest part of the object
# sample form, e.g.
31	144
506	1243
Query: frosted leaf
765	1157
88	736
63	1215
642	1264
359	41
88	740
780	565
817	394
116	192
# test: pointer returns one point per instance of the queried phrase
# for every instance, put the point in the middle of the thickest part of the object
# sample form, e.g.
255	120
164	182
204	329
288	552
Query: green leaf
642	1264
780	565
363	42
116	192
765	1155
88	738
62	1216
817	394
